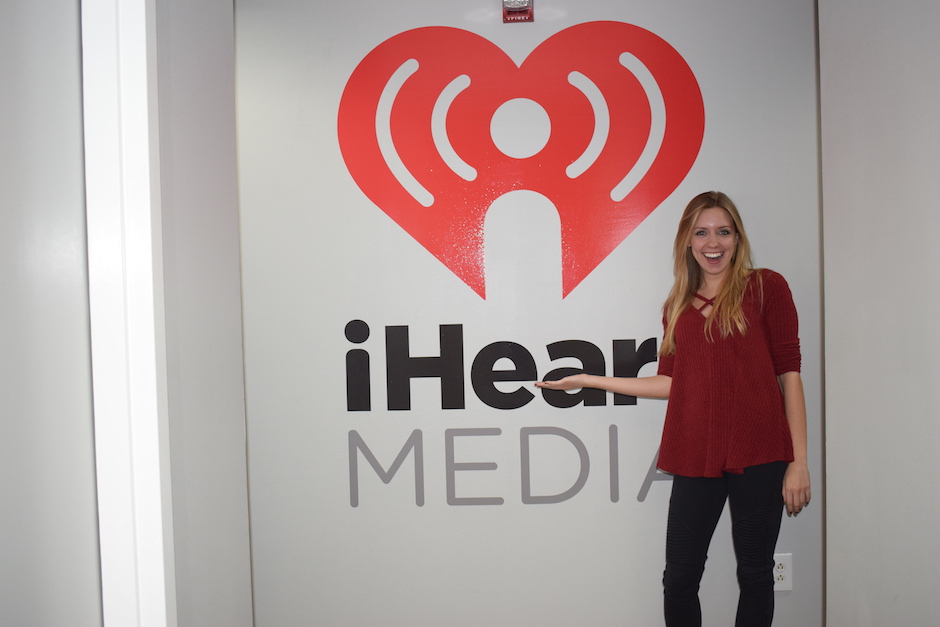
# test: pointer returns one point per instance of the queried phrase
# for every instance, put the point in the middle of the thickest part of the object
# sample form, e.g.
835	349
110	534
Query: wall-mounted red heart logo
626	119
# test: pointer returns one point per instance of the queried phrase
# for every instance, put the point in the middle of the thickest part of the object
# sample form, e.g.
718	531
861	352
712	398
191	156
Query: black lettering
592	362
358	380
483	376
401	367
628	360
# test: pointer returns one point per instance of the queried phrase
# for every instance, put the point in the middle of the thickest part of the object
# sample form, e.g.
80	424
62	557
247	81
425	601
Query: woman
735	425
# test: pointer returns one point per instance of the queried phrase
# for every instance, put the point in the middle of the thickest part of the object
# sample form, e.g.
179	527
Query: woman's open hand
573	382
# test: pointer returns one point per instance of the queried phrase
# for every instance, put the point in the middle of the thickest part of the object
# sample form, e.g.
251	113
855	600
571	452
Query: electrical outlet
783	571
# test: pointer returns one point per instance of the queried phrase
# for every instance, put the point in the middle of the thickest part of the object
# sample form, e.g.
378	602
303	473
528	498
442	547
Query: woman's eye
724	232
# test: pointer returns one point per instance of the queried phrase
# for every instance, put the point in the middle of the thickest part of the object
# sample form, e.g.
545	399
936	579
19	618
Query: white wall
317	253
48	529
880	80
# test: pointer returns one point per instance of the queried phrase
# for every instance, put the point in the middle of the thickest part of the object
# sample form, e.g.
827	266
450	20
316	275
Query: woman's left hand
796	492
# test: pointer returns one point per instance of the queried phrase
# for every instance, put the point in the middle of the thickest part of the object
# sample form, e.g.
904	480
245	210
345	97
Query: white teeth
713	255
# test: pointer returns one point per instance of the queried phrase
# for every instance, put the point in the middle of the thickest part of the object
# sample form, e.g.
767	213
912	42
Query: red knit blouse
725	409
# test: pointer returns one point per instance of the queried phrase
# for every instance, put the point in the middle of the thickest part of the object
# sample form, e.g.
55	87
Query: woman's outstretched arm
657	386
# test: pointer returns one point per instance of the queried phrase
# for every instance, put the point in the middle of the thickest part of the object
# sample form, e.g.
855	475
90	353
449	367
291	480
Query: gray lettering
414	443
653	474
527	497
452	467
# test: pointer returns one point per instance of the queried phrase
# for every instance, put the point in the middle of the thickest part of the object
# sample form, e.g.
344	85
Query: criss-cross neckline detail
706	302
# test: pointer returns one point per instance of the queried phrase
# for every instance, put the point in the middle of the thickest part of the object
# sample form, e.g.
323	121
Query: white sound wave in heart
657	127
439	129
383	133
601	124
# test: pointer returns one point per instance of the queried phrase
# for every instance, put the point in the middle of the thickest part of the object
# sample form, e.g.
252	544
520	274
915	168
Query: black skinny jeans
756	510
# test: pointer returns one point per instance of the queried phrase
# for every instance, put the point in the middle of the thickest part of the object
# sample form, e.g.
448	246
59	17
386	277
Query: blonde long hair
728	307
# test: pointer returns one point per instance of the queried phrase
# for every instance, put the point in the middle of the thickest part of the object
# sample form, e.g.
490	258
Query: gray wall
202	289
48	529
49	552
880	137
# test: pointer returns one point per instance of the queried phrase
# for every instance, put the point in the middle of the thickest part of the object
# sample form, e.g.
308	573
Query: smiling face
713	243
